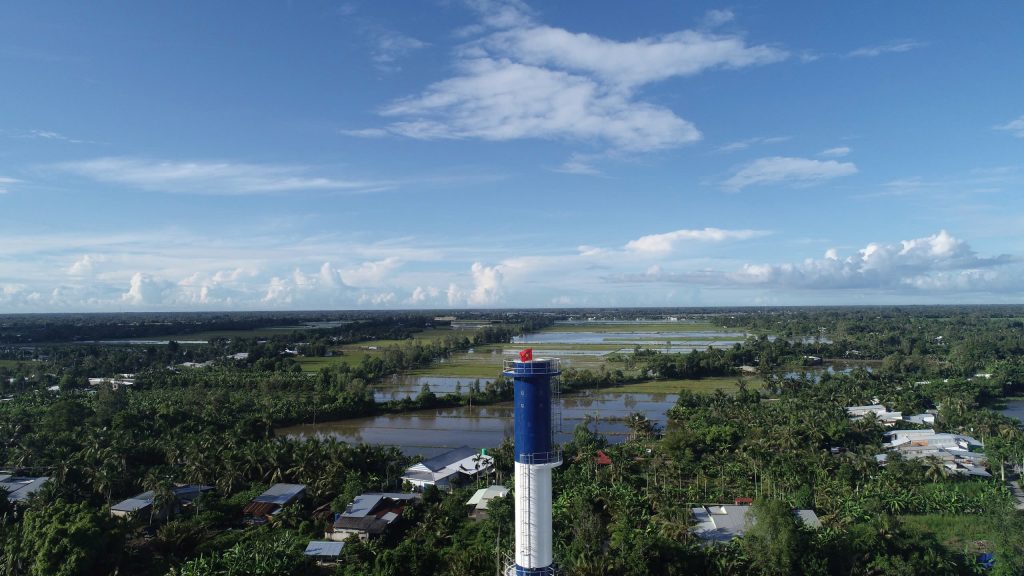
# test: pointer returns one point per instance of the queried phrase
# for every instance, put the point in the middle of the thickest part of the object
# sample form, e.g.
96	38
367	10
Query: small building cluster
720	523
369	515
114	382
183	496
956	451
887	417
453	468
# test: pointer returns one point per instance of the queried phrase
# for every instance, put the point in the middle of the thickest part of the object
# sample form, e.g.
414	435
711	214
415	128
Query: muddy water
430	432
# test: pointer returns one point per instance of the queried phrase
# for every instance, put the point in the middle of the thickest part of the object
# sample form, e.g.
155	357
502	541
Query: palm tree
936	470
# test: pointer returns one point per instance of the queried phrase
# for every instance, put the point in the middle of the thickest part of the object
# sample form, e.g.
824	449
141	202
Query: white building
449	469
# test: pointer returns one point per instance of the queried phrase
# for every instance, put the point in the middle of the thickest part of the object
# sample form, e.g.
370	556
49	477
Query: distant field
955	531
13	363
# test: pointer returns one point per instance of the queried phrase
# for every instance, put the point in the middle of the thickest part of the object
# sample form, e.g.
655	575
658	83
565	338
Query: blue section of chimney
532	384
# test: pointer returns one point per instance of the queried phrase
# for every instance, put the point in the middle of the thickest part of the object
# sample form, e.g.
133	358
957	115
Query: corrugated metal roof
324	548
19	488
281	494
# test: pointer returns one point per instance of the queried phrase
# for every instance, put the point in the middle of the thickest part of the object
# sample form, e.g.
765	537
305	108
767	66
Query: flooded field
408	386
430	432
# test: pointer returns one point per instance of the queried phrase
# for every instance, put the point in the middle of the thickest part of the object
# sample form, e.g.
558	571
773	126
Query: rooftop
720	523
19	488
280	494
324	548
483	495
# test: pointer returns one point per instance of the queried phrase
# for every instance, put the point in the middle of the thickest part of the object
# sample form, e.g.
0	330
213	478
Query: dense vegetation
781	438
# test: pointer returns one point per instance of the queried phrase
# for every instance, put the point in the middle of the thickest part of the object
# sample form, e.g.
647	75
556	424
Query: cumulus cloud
1015	127
522	79
369	274
940	261
893	47
142	290
421	295
487	287
83	266
278	292
211	178
665	243
777	169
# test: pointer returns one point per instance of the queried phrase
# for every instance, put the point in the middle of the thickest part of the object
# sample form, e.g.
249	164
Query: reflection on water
399	387
430	432
1014	409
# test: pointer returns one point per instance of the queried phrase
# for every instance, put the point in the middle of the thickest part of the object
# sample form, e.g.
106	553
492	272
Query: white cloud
940	261
5	182
142	290
715	18
391	46
522	79
893	47
377	299
837	152
369	274
579	164
83	266
421	294
497	99
630	64
210	178
1015	127
747	143
786	169
487	288
278	292
667	242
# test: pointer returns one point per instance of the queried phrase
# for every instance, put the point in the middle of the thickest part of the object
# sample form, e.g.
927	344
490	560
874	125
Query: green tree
774	542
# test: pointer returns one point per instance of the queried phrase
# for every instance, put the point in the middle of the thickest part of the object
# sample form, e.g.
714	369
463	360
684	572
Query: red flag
526	355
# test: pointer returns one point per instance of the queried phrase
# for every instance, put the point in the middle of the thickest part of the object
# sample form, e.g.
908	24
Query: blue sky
300	155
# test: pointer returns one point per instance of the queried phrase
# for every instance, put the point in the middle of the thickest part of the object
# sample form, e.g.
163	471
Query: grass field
957	532
13	363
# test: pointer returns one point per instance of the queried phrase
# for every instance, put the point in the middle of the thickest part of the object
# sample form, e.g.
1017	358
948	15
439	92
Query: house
325	553
266	505
480	499
449	469
369	515
887	418
720	523
141	503
115	382
858	412
958	452
19	488
926	418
